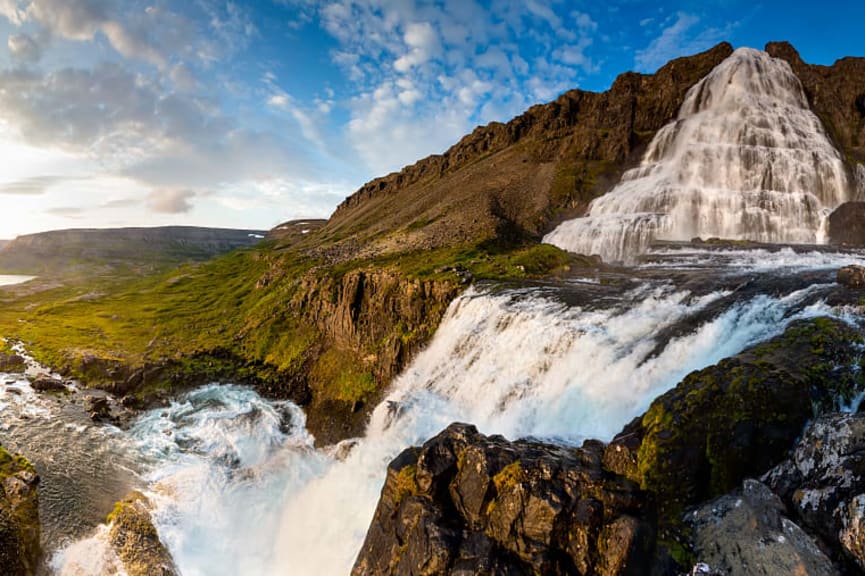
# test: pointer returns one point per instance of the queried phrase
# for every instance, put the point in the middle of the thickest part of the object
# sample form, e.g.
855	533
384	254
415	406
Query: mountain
90	250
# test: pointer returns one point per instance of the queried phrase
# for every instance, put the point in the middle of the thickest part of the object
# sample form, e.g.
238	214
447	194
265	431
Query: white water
11	280
239	489
746	159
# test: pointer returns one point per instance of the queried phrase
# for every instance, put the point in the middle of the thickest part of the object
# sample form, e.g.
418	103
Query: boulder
12	363
466	503
99	409
135	540
847	224
747	533
823	482
736	419
852	276
48	384
19	516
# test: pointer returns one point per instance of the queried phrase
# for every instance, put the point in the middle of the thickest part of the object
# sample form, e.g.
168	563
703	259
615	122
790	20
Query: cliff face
371	324
513	180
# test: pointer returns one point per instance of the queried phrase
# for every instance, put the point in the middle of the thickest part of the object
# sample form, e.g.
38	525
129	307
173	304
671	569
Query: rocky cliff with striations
512	180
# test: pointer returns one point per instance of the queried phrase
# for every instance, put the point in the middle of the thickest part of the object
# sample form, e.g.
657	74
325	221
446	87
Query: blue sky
245	114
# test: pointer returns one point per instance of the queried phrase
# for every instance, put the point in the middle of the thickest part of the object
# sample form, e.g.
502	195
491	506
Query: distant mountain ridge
80	249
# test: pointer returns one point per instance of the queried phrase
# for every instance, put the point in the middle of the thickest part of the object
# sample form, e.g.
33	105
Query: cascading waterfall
746	159
239	489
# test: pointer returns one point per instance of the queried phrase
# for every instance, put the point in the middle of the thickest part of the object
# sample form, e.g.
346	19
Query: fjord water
239	488
745	159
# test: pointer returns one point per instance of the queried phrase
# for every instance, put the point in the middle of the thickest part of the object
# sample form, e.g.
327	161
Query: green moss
405	483
509	476
12	464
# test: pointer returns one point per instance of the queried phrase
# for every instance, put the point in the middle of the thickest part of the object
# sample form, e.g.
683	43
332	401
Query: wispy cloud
682	35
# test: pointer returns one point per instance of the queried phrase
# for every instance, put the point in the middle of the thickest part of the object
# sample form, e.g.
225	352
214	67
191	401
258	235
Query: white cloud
170	201
681	37
24	47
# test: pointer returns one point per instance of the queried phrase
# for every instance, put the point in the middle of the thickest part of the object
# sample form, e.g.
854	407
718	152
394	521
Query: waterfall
745	159
239	488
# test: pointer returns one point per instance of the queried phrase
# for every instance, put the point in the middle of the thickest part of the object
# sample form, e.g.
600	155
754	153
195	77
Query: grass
245	316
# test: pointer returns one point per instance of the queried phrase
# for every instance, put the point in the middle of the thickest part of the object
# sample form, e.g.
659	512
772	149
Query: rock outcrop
465	503
823	482
852	276
847	224
738	418
11	362
747	533
19	516
371	324
135	541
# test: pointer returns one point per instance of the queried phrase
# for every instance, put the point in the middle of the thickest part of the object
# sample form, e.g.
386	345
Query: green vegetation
263	315
405	483
10	464
508	477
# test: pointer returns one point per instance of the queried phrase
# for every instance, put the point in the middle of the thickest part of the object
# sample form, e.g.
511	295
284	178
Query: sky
249	113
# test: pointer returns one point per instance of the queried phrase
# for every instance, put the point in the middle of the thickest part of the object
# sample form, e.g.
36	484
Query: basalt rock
48	384
736	419
747	533
823	482
19	516
466	504
135	540
852	276
12	363
847	224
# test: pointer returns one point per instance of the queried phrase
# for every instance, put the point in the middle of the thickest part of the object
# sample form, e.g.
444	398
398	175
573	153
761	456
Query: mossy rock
19	516
739	417
135	539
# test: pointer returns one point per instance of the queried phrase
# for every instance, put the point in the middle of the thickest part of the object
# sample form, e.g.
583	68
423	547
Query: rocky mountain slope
512	181
89	250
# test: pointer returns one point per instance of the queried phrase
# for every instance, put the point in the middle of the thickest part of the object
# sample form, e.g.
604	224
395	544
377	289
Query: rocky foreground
465	503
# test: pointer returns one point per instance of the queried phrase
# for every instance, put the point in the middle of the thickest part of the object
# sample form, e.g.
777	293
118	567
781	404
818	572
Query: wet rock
736	419
465	503
747	533
48	384
99	409
135	540
847	224
852	276
19	516
823	482
12	363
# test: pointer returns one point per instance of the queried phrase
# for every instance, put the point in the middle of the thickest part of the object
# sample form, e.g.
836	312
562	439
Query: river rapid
239	488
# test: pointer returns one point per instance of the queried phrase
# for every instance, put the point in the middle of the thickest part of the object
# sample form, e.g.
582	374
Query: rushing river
239	488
